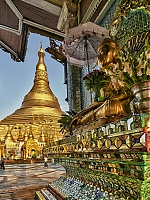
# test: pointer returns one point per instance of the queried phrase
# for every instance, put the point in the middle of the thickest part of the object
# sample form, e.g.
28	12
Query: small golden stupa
33	126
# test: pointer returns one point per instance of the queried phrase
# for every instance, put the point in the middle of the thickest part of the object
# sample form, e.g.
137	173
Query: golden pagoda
35	124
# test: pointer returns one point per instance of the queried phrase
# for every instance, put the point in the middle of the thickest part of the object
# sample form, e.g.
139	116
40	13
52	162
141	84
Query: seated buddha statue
116	104
107	52
112	109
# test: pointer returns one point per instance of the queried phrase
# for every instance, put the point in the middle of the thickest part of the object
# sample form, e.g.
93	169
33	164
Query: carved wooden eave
64	15
66	19
72	6
11	31
102	11
56	51
95	10
17	28
19	17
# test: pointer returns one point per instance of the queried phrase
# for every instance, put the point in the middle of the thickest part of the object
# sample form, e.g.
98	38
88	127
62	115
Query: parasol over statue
81	43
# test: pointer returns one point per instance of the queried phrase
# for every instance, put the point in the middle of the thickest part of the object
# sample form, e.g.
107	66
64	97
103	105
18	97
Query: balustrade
106	162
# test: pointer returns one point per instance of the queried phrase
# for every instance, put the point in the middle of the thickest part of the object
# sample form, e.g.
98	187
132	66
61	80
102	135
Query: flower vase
101	95
141	91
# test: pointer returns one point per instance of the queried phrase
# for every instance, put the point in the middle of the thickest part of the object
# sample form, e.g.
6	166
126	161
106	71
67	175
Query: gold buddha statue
117	105
107	52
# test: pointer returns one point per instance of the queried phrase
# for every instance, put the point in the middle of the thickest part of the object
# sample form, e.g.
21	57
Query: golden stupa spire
41	94
41	65
40	101
40	107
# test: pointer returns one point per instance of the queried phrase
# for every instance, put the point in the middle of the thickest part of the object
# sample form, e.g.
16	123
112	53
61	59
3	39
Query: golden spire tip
41	45
41	50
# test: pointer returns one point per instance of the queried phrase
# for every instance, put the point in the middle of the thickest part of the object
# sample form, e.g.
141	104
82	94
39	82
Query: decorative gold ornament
107	52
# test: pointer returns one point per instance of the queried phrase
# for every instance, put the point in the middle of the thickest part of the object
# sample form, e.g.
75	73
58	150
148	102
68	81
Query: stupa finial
40	50
41	54
41	45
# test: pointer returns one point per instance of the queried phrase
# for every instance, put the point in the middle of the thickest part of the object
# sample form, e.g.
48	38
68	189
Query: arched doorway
31	149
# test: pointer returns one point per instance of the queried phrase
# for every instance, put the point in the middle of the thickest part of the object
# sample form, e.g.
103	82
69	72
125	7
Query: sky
17	78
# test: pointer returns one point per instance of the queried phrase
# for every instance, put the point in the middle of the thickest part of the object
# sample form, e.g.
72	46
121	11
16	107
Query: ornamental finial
41	50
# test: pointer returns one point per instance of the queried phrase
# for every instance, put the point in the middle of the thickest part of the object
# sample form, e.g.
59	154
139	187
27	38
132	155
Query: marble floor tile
19	182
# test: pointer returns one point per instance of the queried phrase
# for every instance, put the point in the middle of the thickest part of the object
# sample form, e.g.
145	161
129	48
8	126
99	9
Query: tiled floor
19	182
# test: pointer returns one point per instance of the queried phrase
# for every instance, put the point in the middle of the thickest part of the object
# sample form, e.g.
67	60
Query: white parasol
81	43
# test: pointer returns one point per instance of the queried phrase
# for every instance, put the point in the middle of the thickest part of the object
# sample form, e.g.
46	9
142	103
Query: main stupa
36	121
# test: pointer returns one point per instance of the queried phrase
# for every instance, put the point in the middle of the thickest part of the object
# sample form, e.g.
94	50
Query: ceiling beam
44	28
44	6
91	10
104	11
18	15
2	44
